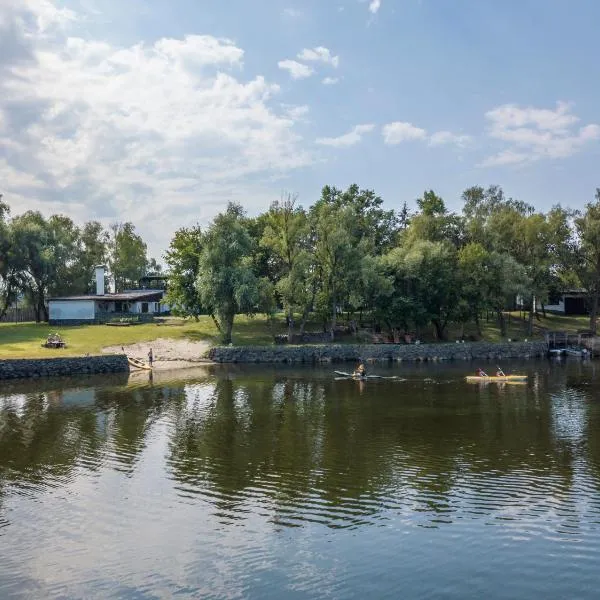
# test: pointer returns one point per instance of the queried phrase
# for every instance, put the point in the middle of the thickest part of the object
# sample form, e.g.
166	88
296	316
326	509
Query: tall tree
434	222
64	256
226	282
93	249
183	260
287	236
9	264
127	256
33	241
587	255
337	256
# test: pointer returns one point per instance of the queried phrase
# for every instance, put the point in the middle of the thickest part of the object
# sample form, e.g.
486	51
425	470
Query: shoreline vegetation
344	269
182	343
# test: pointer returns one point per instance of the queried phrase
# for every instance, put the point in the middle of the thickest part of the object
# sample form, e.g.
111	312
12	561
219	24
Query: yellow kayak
486	378
138	364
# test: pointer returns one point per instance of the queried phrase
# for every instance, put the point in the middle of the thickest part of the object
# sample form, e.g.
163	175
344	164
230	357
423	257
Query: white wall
557	308
71	309
153	307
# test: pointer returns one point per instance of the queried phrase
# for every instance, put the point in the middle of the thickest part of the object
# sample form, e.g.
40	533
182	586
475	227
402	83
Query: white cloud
199	50
398	131
534	134
45	13
296	70
441	138
374	6
319	54
296	112
162	134
330	80
348	139
292	13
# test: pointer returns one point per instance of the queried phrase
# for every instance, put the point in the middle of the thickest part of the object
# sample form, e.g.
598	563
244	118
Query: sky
161	112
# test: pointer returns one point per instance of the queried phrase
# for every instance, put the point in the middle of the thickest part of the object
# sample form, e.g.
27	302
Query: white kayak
344	375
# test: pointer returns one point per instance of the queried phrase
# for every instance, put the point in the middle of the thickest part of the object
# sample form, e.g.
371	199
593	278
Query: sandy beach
169	354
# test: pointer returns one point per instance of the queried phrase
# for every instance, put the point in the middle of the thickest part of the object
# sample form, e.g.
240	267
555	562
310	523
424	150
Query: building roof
123	297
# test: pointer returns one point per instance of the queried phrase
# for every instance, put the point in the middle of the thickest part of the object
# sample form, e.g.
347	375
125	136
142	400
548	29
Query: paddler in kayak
500	373
481	373
360	371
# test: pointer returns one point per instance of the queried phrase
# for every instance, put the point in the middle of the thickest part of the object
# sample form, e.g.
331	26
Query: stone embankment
377	352
55	367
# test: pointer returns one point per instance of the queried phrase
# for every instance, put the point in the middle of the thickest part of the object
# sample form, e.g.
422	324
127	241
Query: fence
19	315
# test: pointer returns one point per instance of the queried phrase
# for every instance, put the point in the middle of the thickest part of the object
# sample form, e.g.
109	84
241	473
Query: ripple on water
255	487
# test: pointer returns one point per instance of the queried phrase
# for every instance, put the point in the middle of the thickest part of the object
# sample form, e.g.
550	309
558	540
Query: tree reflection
293	447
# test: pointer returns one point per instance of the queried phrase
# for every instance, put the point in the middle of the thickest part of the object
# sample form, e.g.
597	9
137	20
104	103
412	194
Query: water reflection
275	450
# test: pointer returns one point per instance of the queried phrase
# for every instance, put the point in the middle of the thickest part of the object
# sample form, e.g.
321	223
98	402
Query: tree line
43	257
347	254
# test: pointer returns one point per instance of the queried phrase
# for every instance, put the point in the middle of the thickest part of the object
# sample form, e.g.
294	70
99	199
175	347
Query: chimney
99	280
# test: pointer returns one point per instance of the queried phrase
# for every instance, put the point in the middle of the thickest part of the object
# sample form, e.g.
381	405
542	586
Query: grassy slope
24	340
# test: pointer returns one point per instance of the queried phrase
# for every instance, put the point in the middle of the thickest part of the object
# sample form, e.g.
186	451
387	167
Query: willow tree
287	236
226	282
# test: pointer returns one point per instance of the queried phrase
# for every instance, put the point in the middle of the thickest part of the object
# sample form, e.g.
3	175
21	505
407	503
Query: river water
248	482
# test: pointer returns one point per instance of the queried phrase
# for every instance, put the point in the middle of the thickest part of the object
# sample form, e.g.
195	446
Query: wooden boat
138	364
498	378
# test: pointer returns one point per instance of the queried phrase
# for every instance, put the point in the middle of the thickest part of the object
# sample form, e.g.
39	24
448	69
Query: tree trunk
477	325
439	329
594	312
228	327
217	324
333	318
304	319
290	320
502	322
530	321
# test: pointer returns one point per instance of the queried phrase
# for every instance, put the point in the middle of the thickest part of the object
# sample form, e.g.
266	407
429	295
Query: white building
103	307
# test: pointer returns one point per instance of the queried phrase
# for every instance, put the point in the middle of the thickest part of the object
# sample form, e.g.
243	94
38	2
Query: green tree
337	257
93	247
474	276
33	241
587	254
226	282
183	259
426	285
127	256
9	264
371	225
64	256
286	234
434	223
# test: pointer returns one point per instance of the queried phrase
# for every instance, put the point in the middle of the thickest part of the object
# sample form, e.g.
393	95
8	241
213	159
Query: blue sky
160	112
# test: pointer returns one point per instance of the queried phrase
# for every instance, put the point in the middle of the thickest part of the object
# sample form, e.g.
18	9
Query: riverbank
377	352
62	367
168	354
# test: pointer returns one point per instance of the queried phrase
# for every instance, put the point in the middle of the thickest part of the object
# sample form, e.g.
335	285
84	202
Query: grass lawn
24	339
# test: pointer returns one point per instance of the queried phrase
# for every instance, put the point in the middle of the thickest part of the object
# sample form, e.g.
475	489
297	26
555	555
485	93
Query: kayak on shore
138	364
